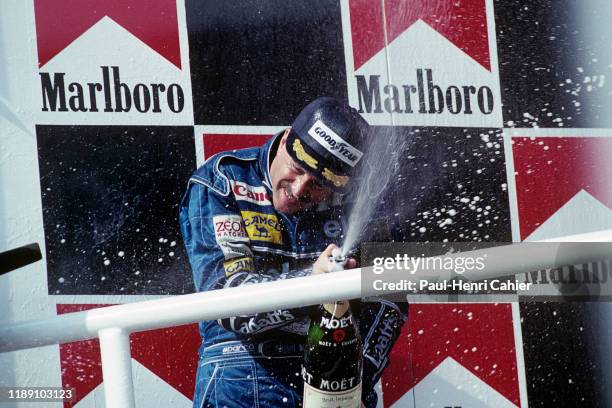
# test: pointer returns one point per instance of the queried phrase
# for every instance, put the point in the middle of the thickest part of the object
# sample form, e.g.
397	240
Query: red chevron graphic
60	22
217	142
172	354
478	336
462	22
552	170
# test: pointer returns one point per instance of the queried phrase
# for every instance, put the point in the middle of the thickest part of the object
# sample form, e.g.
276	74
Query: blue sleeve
220	255
380	324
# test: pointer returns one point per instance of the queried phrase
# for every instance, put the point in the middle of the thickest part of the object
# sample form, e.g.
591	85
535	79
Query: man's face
293	188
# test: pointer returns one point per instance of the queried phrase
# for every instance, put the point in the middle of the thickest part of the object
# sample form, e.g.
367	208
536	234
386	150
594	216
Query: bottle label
315	398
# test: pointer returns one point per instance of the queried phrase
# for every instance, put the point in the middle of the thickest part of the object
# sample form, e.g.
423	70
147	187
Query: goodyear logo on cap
262	227
334	144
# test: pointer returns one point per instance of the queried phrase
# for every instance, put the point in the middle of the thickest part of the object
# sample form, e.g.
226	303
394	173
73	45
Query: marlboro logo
109	94
107	57
420	62
424	97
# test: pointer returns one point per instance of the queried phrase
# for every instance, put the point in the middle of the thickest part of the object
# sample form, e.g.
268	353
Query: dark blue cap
327	139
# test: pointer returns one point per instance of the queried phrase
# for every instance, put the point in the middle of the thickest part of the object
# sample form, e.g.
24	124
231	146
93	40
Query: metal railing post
117	368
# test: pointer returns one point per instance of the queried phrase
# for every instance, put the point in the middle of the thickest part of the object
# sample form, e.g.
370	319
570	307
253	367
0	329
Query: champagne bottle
333	359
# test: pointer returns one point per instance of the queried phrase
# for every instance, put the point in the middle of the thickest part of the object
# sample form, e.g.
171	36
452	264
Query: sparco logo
240	348
110	94
424	97
334	143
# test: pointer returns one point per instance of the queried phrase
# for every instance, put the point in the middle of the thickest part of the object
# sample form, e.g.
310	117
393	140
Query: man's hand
323	265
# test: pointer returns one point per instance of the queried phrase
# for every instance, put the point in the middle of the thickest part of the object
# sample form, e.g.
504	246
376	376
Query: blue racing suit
234	237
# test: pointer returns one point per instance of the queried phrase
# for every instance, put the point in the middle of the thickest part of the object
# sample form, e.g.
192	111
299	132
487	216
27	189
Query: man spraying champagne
258	215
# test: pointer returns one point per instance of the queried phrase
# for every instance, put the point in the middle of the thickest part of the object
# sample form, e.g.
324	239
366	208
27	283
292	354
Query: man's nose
301	185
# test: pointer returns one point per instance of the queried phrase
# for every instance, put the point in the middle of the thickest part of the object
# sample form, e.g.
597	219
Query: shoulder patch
253	194
211	172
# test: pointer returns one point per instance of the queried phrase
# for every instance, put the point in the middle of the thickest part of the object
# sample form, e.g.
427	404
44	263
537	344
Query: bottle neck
337	309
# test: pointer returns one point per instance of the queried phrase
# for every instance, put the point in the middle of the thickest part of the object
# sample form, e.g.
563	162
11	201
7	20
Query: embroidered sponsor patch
244	264
262	227
334	144
229	228
231	236
245	192
232	250
262	322
382	339
332	228
238	348
298	327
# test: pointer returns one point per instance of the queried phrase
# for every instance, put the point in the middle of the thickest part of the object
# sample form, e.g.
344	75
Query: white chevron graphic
452	385
150	392
582	213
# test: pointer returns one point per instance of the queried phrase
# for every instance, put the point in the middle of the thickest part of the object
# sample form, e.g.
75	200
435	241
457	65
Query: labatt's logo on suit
422	62
111	59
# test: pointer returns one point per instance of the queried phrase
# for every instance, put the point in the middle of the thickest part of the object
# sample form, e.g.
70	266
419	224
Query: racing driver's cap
327	139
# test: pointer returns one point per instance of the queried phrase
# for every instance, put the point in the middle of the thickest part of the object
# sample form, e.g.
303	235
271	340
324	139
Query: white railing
112	325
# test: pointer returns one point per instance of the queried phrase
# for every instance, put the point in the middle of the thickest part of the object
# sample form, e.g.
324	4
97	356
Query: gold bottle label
337	309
